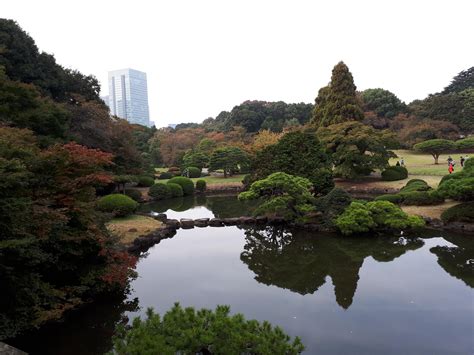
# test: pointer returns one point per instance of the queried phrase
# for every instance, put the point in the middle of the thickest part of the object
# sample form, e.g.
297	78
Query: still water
386	295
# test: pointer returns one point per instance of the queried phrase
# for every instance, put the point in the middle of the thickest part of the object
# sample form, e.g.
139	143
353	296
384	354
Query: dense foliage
192	172
185	183
117	204
464	212
176	190
145	181
382	102
284	195
229	159
187	331
393	173
201	185
415	192
332	205
356	149
376	215
54	249
338	101
196	159
160	191
460	185
296	153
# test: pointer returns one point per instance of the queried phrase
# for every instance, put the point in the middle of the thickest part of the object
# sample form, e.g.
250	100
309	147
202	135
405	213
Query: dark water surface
385	295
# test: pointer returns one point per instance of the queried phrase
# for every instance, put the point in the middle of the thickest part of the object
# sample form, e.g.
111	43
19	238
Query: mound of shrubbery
463	212
145	181
333	204
186	184
394	173
165	176
117	204
460	185
160	191
176	190
416	192
201	185
361	217
192	172
134	194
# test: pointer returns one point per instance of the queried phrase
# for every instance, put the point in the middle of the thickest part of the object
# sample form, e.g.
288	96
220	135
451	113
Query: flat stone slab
186	223
230	221
174	223
201	222
216	222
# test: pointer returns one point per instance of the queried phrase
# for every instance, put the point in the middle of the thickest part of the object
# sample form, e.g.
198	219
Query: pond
387	295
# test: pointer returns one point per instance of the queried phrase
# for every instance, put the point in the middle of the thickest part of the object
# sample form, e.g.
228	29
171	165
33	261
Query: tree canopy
338	101
464	80
436	147
229	159
382	102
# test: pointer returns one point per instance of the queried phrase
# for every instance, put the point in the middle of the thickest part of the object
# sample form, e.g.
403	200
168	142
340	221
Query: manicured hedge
463	212
160	191
118	204
201	185
145	181
176	190
136	195
394	198
193	172
165	176
421	198
416	192
186	184
393	173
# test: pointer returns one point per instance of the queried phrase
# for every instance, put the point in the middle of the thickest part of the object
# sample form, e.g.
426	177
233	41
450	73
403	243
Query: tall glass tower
128	95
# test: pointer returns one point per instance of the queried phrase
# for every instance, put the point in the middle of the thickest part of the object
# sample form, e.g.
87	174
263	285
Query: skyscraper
128	95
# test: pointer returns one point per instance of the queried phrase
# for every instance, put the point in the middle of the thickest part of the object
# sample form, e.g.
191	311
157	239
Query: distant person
398	163
461	160
451	168
402	161
450	160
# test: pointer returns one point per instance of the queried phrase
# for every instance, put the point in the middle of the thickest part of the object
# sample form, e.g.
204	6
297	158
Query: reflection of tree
85	331
230	206
457	261
301	262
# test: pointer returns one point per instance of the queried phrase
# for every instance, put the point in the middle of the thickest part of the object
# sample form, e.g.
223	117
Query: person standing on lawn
462	161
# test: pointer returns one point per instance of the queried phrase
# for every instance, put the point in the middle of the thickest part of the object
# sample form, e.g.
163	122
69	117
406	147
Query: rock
133	230
201	222
261	219
230	221
276	220
186	223
173	223
162	217
216	222
246	220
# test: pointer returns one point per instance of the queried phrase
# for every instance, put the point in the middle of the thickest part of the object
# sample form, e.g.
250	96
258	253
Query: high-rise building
128	95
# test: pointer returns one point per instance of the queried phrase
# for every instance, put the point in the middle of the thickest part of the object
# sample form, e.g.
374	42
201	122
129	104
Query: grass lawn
423	164
215	180
130	227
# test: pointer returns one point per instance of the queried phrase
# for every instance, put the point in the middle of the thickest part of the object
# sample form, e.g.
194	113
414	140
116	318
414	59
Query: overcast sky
202	57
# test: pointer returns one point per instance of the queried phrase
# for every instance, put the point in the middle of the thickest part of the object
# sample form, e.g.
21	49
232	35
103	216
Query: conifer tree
337	102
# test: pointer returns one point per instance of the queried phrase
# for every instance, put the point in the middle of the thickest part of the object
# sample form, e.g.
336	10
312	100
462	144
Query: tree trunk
436	158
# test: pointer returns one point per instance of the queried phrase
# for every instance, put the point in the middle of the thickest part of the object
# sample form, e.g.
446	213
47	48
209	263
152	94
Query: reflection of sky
194	213
410	305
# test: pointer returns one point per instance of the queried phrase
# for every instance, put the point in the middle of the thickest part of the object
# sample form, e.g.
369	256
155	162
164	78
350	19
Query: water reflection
301	262
457	260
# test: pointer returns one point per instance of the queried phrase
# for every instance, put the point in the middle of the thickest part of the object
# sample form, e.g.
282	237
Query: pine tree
337	102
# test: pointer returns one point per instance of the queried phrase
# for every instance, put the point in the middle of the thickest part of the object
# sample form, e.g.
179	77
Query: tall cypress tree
337	102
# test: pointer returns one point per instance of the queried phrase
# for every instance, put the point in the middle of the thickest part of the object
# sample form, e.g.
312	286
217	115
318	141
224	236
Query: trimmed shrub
145	181
201	185
463	212
117	204
394	198
465	144
186	184
415	185
193	172
135	195
160	191
393	173
165	176
421	198
176	190
333	204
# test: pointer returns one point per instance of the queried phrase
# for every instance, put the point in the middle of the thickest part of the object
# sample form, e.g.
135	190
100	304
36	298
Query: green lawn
423	164
211	180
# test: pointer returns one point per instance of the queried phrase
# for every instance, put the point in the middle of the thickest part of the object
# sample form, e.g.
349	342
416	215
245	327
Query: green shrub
465	144
160	191
333	204
135	195
412	181
192	172
204	331
415	185
145	181
117	204
201	185
463	212
186	184
393	173
421	198
461	189
165	176
394	198
176	190
375	215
